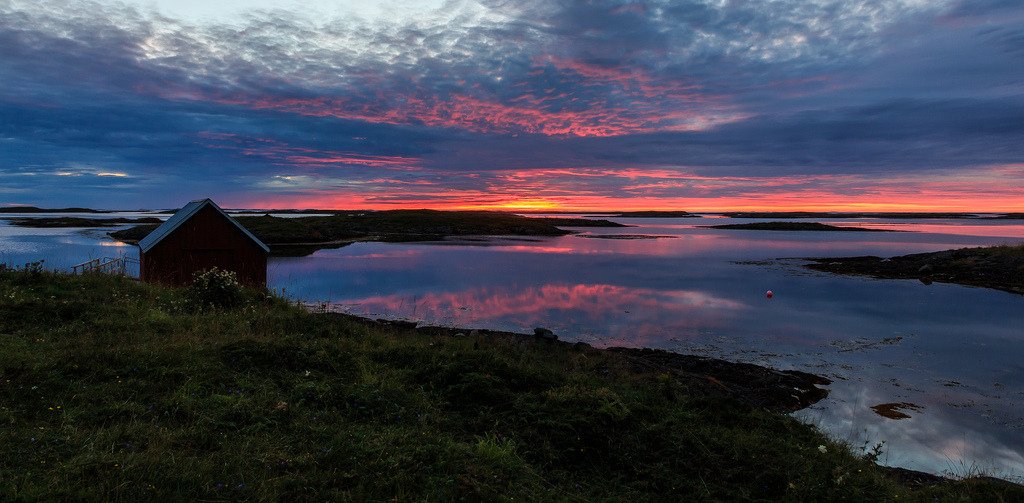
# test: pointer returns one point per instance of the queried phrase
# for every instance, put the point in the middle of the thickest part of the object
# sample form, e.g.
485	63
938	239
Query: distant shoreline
794	226
978	215
299	236
64	222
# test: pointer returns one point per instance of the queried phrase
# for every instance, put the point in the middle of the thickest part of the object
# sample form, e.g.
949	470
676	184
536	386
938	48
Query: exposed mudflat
895	410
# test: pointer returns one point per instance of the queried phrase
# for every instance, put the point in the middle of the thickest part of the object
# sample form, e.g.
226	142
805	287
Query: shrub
216	288
34	269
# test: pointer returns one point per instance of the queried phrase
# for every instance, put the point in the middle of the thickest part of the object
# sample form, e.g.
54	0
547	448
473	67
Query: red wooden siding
206	240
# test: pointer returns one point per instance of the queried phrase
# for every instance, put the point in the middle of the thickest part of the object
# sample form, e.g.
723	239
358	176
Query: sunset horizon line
530	209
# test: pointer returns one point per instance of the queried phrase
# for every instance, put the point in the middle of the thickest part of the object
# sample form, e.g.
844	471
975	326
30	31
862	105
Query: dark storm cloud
279	100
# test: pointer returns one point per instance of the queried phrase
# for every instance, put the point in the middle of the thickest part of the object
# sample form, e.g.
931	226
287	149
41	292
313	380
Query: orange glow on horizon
513	205
694	205
995	189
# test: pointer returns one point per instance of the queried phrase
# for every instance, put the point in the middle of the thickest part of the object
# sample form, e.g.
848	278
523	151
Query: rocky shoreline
757	386
782	391
997	267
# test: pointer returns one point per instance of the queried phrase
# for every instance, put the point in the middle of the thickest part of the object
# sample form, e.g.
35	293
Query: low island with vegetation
118	390
901	215
656	214
998	267
303	235
793	226
36	209
63	222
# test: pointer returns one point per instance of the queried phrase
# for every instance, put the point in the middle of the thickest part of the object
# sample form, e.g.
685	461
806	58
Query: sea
950	357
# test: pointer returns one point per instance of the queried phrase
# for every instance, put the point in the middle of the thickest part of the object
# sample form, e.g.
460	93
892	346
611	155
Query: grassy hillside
115	390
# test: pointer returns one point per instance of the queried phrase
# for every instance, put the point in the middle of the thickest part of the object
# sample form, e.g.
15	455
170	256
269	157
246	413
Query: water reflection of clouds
932	439
11	246
388	254
60	248
350	258
1006	231
546	249
588	305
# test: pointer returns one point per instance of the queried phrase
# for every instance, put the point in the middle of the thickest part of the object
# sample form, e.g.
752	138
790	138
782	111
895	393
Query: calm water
955	352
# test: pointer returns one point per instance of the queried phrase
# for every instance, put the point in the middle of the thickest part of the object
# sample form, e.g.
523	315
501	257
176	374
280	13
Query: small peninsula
998	267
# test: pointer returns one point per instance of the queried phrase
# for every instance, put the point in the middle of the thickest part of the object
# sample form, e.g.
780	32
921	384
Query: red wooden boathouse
198	237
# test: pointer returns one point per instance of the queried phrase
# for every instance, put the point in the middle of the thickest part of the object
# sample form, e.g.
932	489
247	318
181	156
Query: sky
855	105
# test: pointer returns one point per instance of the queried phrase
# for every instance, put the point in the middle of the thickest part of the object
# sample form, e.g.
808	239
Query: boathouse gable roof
183	215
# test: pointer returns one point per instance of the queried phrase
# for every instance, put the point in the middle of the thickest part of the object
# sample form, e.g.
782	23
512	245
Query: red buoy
769	294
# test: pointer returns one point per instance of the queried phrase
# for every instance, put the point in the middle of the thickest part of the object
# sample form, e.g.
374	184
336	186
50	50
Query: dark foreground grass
114	390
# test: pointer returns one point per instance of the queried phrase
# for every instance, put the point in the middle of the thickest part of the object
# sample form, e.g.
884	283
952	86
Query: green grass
115	390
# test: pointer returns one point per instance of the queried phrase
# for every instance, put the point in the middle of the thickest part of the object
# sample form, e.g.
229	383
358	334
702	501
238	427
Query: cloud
788	88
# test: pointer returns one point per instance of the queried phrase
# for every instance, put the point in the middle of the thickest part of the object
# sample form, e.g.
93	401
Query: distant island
890	215
303	235
34	209
656	214
998	267
53	222
793	226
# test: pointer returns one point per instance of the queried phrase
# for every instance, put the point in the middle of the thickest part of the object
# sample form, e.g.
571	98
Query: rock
926	269
543	333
